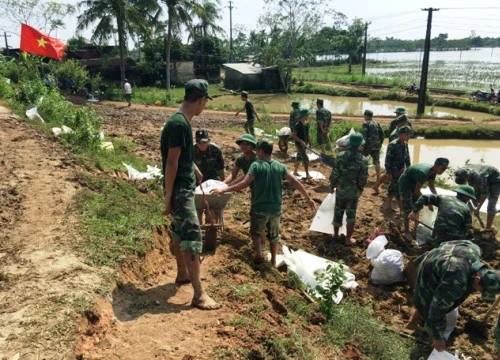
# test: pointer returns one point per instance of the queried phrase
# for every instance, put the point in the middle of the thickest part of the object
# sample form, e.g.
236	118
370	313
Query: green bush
29	92
86	127
69	70
55	110
460	132
5	89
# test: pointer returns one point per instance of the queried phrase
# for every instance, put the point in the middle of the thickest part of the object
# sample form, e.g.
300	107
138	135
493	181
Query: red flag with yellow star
35	42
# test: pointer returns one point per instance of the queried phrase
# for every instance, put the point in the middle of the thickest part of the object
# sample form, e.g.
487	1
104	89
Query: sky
397	18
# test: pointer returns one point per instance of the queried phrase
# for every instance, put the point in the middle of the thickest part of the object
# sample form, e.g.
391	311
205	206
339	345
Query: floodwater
280	103
489	55
457	151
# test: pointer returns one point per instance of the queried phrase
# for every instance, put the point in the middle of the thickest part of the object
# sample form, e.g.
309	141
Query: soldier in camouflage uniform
301	136
400	122
400	110
179	171
374	137
445	277
323	123
497	339
397	160
294	115
349	177
485	180
412	181
454	220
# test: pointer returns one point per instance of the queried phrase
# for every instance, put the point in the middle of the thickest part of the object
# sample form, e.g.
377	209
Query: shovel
479	326
476	215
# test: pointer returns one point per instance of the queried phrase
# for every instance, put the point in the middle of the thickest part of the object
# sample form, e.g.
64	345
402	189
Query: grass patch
469	132
116	216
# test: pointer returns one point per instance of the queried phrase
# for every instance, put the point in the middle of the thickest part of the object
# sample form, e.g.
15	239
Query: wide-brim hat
356	139
247	138
304	111
466	190
402	118
404	130
400	110
490	283
295	104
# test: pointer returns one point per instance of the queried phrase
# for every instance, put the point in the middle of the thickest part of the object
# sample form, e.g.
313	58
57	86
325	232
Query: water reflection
280	103
482	54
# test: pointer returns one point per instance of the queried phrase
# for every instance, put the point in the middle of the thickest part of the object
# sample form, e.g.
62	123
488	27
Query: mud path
176	331
42	282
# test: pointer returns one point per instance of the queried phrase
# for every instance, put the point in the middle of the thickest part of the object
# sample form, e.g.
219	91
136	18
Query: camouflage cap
197	87
368	112
400	110
356	139
265	145
304	111
461	175
295	104
466	190
319	101
442	162
247	138
490	283
202	135
404	130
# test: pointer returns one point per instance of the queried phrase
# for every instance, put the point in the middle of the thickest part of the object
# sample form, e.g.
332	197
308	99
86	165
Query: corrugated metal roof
244	68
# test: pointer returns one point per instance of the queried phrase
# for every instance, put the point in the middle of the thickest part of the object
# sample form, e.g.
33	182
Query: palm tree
209	14
179	12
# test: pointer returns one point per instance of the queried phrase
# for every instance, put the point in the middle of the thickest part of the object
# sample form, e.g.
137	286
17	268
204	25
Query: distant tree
350	41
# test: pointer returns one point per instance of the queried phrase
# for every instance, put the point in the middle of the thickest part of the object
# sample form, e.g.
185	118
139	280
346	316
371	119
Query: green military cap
244	94
198	87
368	112
461	175
466	190
400	110
295	104
247	138
319	101
490	283
265	145
304	111
442	162
402	118
404	130
356	139
202	135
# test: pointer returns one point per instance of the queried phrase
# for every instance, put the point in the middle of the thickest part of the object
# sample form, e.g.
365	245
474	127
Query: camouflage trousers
185	223
269	222
493	198
349	206
302	154
497	335
408	198
321	137
393	189
250	127
374	152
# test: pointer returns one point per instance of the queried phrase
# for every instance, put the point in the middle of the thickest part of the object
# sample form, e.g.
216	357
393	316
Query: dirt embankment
149	315
43	284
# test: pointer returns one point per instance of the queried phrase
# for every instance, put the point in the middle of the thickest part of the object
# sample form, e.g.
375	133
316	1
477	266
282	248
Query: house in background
243	76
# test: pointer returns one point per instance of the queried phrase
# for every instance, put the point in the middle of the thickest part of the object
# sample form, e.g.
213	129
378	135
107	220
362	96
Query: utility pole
363	71
231	7
6	43
425	64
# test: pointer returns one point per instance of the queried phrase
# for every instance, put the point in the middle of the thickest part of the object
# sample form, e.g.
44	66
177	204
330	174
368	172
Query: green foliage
116	217
69	70
29	92
331	281
460	132
54	109
86	125
9	69
5	89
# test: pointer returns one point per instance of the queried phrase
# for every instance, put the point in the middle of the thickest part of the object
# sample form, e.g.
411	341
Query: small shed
244	76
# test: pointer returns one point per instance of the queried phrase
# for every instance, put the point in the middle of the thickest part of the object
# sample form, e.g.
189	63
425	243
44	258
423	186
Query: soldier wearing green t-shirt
323	123
267	177
411	182
179	172
247	145
250	111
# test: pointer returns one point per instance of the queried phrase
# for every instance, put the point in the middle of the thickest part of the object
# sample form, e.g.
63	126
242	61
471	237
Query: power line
472	8
397	32
394	25
464	18
401	13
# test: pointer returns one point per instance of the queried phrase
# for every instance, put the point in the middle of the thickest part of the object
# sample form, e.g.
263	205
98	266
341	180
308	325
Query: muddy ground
390	304
43	282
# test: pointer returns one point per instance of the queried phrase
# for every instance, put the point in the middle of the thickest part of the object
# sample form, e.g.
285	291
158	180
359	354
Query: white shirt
128	88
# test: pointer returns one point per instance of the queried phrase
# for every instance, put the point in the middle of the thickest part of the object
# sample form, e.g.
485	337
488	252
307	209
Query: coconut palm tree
208	13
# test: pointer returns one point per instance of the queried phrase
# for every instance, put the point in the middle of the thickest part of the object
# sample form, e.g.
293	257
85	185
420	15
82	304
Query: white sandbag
451	322
342	142
322	222
285	131
210	185
151	172
314	174
33	114
311	156
308	266
424	235
443	355
67	130
107	145
376	246
258	131
56	131
387	267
